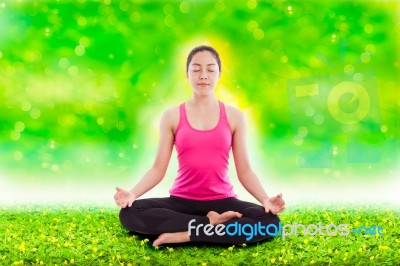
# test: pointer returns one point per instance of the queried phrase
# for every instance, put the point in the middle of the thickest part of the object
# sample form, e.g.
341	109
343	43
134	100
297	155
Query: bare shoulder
233	111
235	116
171	112
170	118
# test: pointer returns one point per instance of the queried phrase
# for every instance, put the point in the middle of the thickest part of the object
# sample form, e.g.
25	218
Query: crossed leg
168	218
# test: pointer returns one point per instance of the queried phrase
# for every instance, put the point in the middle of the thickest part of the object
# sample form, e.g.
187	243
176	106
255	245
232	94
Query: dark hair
202	48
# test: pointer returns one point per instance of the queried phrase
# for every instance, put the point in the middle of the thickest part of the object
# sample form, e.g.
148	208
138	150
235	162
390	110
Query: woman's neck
203	102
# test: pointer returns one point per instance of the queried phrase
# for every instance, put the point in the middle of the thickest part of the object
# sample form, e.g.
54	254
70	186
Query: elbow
244	176
242	179
158	172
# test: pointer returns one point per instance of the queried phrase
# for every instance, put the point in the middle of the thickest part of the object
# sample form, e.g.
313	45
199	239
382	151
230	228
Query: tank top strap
182	111
223	111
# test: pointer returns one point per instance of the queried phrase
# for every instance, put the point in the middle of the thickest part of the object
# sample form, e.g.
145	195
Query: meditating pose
202	206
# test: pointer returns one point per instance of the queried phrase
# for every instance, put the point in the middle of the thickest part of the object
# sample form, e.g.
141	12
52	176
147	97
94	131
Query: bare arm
157	172
246	175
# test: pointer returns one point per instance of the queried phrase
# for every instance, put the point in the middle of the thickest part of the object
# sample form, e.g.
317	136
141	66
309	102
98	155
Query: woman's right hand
124	198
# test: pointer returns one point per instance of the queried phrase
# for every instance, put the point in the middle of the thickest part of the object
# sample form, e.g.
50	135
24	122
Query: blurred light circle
368	28
135	17
365	57
82	21
302	132
80	50
124	6
337	174
15	135
63	63
297	140
370	48
169	21
73	70
184	7
309	111
100	121
55	168
348	68
358	77
318	119
47	32
18	156
251	4
26	106
35	113
19	126
84	41
252	25
258	34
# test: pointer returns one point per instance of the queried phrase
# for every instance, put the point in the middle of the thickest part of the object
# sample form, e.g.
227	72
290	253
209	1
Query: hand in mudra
124	198
275	204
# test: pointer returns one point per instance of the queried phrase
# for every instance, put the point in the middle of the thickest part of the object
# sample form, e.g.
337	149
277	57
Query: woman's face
203	73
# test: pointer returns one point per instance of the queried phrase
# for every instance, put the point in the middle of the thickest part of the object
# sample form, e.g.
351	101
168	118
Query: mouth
203	84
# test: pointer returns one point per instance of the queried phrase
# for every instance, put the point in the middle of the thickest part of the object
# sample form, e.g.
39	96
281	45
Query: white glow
293	192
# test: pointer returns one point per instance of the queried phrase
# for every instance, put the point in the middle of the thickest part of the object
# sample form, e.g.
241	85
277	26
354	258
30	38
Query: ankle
212	217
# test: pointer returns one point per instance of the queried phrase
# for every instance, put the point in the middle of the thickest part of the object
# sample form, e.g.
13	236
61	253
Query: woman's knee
272	222
270	218
130	217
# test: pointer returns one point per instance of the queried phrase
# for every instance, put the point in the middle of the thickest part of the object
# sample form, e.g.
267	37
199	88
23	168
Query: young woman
202	204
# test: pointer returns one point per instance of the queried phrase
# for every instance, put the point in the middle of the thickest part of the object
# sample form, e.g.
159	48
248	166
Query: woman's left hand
275	204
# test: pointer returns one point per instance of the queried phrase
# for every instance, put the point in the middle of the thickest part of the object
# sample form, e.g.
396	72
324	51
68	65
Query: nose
203	75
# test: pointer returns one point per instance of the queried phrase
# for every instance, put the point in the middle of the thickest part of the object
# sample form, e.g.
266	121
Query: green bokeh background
84	83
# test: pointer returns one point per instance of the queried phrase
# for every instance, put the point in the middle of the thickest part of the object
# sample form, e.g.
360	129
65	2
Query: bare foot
178	237
216	218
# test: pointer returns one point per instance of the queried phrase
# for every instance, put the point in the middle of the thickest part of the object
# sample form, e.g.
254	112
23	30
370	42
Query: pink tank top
203	159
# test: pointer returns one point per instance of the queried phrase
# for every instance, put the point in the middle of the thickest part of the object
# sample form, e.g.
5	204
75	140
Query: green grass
82	235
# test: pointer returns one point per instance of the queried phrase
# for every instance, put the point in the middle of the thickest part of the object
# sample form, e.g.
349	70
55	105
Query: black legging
155	216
